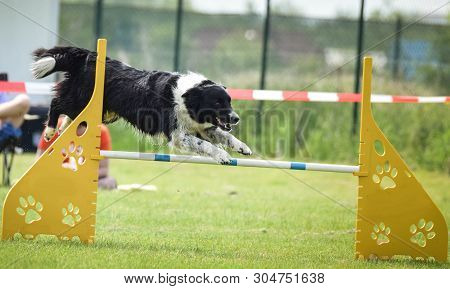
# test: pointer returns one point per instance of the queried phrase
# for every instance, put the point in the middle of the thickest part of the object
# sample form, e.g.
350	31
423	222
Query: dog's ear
193	98
206	82
190	94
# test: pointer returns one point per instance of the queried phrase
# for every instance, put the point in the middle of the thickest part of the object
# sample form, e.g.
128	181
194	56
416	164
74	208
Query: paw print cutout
73	157
71	215
30	209
422	232
380	234
385	176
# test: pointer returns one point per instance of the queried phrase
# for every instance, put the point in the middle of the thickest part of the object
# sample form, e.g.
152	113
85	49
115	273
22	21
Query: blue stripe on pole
298	166
233	162
162	158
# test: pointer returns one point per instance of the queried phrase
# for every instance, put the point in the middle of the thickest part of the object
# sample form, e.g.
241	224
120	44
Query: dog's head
209	102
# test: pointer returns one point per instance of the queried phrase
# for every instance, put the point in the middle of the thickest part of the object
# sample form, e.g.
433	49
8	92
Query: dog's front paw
244	149
222	157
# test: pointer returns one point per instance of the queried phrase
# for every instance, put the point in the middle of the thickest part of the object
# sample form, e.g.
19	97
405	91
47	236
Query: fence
223	45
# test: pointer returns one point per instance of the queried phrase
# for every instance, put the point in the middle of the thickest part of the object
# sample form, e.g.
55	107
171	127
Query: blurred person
105	181
12	113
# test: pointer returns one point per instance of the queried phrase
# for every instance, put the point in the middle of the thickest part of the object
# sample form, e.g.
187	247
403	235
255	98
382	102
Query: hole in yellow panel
82	128
375	179
376	229
70	163
422	232
421	223
71	147
387	183
379	169
79	150
39	206
30	209
23	202
381	233
394	172
71	215
379	147
31	200
81	160
20	211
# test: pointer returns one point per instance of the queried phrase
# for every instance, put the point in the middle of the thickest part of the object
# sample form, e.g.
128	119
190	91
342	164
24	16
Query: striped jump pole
394	216
253	163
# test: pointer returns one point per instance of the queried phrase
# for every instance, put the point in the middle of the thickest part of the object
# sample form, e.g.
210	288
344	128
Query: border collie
194	113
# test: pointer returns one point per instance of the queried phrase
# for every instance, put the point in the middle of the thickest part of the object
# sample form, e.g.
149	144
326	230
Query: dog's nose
234	118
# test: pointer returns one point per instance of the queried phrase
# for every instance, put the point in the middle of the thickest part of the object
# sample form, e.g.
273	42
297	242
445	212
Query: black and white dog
194	113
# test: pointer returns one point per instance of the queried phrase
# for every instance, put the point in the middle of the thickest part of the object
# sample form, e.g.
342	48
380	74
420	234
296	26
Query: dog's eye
218	103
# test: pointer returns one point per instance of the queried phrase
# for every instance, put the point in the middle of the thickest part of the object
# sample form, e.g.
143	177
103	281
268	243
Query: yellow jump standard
58	194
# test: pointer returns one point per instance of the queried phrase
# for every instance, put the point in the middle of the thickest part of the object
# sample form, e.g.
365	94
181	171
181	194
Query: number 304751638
289	278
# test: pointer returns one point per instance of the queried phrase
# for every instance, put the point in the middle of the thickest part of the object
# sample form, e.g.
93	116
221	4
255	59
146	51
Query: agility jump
395	215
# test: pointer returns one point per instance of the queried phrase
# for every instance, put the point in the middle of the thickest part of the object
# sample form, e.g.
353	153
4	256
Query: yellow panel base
395	214
58	194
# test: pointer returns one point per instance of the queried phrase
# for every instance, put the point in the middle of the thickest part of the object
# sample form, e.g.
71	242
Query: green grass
217	217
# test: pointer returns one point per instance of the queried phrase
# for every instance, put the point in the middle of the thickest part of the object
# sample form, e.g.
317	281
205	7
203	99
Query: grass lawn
217	217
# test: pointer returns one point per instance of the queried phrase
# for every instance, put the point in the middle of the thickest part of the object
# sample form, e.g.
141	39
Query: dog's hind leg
218	136
53	115
189	143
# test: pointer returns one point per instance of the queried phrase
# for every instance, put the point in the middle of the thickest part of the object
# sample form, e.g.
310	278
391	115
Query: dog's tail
66	59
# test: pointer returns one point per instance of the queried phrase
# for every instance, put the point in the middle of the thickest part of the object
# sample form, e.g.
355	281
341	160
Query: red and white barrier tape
45	88
311	96
40	88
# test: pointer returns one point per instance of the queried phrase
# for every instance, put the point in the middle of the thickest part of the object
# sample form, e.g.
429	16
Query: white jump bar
234	162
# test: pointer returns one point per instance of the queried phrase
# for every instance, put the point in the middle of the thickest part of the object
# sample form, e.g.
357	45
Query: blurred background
261	44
